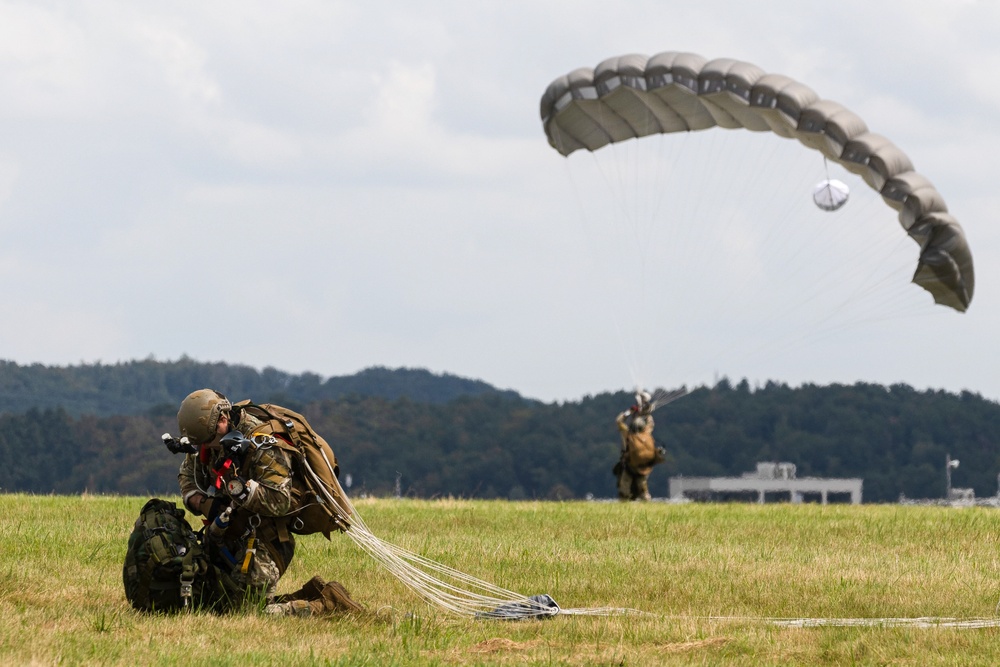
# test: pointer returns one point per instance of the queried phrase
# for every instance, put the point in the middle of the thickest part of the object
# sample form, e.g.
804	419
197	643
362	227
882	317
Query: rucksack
166	569
318	504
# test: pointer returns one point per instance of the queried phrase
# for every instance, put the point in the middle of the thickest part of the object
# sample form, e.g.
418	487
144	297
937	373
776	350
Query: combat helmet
199	415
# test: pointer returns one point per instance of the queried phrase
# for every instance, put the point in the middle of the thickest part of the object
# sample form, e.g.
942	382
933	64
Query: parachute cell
633	96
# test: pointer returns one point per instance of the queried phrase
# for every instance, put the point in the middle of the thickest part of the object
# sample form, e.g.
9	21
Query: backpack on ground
166	569
318	502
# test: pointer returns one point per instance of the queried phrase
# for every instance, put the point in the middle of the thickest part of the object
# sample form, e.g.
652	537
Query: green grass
712	577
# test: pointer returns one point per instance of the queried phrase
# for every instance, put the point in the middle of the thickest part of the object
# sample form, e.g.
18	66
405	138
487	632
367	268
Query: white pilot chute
830	194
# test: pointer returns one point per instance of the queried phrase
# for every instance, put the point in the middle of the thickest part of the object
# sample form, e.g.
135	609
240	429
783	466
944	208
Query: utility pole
949	463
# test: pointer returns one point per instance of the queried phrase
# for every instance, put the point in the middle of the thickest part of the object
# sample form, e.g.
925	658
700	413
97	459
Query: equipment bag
166	570
318	502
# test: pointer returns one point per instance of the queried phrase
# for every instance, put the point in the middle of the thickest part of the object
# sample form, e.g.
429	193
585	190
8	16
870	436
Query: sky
323	186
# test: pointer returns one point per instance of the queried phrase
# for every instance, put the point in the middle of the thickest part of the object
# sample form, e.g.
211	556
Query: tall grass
712	579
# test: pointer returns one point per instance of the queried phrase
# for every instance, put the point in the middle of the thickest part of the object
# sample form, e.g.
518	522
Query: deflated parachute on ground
635	96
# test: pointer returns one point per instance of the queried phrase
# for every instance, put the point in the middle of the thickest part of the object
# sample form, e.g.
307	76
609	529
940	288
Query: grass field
713	579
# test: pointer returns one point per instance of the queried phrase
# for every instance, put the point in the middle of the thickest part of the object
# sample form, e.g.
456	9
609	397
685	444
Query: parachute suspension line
630	258
879	293
681	234
603	251
867	285
625	249
835	226
720	234
662	232
653	226
878	269
627	170
443	587
797	241
750	281
764	231
801	251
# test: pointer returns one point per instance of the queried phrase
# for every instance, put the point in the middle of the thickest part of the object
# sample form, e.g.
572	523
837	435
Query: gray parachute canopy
633	96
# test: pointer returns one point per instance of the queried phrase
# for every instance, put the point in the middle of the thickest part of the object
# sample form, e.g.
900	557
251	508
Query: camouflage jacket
638	449
266	471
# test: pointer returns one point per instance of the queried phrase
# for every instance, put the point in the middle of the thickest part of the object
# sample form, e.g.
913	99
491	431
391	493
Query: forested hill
134	387
487	443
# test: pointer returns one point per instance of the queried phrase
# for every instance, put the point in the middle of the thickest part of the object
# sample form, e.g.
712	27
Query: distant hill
97	429
134	387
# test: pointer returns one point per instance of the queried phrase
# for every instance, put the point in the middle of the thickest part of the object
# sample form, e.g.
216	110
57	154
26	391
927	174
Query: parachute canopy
633	96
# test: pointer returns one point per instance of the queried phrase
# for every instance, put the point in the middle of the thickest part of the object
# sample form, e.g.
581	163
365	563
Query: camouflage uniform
244	487
639	455
258	514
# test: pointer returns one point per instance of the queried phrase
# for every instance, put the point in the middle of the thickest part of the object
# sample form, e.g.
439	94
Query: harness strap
248	555
282	527
220	471
188	571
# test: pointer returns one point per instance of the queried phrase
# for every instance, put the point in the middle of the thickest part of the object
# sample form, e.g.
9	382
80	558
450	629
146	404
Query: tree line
456	437
133	387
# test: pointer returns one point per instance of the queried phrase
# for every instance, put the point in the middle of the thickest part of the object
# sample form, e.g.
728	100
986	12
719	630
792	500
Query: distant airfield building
771	482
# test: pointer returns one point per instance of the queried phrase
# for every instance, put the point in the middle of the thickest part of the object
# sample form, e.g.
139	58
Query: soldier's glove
178	446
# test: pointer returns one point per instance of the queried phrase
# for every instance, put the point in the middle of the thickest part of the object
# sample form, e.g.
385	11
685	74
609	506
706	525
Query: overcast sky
326	186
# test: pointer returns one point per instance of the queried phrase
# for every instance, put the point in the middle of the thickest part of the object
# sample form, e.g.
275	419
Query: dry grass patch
687	647
502	645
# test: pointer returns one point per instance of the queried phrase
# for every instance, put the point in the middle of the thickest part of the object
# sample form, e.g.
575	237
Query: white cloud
9	171
180	60
405	101
381	171
45	62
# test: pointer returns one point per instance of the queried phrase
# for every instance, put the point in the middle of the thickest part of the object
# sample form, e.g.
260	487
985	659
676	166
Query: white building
771	482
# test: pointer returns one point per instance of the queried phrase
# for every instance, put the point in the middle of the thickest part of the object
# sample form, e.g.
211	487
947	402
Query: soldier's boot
311	590
331	599
624	486
336	598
